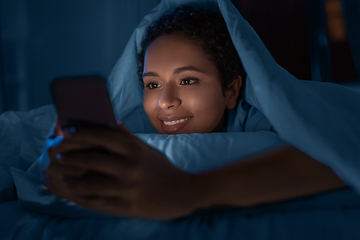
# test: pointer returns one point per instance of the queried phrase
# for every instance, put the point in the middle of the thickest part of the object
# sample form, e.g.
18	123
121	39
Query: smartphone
82	101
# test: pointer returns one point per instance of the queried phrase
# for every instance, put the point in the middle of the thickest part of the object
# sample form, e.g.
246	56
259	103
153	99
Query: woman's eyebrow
176	71
150	74
187	68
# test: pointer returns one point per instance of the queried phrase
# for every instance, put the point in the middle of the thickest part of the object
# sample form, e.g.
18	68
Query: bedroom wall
43	39
284	27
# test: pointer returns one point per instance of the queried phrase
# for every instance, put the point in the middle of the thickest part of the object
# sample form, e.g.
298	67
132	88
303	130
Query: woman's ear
233	92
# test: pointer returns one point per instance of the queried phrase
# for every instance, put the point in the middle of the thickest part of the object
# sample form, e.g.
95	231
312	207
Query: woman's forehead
176	51
173	43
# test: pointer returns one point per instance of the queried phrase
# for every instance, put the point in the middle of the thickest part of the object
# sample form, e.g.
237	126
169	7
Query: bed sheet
318	217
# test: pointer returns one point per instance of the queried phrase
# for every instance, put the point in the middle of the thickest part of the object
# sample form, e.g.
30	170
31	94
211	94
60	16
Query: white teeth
169	123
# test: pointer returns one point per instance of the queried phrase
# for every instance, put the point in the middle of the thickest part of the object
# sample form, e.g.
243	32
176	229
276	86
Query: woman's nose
168	98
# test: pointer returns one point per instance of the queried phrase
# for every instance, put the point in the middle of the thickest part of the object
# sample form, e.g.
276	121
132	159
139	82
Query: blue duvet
320	119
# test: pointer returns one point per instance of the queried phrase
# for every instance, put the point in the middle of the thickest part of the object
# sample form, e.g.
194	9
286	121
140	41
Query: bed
320	119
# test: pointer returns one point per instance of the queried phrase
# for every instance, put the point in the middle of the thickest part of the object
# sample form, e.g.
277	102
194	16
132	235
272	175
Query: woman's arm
114	172
281	174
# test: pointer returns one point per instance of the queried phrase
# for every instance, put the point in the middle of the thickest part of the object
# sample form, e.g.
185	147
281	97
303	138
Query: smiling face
182	88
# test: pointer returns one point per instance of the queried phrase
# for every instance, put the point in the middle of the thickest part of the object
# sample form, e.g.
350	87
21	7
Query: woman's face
182	88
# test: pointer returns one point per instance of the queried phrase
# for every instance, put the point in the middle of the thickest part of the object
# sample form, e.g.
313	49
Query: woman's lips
173	124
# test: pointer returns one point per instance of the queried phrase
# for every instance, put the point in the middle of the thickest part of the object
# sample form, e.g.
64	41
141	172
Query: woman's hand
112	171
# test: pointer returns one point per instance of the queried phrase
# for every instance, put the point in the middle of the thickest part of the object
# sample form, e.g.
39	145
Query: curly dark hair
207	29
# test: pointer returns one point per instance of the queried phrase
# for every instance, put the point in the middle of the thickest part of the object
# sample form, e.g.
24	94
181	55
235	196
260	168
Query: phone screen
82	102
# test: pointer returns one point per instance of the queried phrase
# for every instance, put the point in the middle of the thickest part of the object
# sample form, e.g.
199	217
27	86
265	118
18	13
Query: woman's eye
152	85
188	81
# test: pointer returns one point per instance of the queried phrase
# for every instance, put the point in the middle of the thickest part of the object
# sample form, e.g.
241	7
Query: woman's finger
72	171
54	171
109	205
65	146
114	141
95	184
98	197
63	193
100	161
56	187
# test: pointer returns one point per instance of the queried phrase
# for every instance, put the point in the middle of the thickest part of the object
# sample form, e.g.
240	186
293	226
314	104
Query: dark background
43	39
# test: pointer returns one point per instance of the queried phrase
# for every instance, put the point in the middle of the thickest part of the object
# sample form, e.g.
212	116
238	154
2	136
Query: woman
192	77
212	70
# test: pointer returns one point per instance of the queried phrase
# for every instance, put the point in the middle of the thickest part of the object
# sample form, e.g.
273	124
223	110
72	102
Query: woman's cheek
149	103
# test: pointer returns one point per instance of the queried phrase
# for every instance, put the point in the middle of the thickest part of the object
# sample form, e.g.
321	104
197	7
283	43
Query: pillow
22	137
